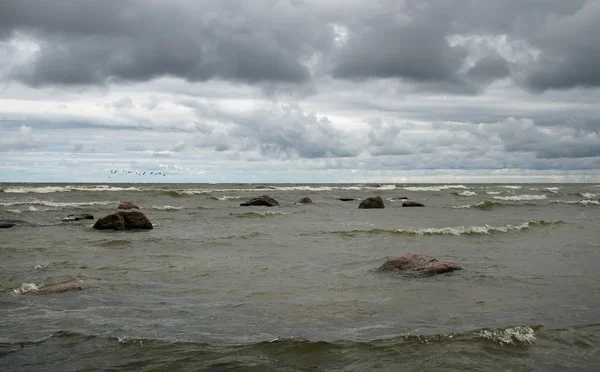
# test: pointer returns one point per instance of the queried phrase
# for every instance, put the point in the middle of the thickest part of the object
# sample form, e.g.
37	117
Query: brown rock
414	264
127	205
124	220
372	202
57	288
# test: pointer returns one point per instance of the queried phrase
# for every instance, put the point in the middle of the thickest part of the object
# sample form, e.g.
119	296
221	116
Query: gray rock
304	200
412	203
263	200
346	199
414	264
372	202
77	217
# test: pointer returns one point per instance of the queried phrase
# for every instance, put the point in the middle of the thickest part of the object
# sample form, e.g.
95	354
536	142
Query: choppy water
216	286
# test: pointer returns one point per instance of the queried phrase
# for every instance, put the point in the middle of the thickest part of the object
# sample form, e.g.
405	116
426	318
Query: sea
216	286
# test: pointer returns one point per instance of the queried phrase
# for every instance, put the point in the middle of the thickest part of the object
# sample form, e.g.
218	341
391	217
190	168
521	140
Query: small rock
346	199
57	288
263	200
127	205
372	202
77	217
412	203
304	200
414	264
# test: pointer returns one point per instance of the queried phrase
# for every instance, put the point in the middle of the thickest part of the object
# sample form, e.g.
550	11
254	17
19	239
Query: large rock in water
372	202
124	220
304	200
263	200
414	264
127	205
412	203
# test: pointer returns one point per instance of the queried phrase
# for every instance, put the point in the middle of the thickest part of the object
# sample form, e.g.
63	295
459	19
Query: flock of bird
115	171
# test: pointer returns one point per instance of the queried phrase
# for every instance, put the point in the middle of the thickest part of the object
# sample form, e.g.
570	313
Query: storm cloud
365	87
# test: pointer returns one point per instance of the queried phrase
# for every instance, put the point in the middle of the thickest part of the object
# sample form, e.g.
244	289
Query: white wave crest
552	189
68	188
587	195
26	287
467	193
166	208
521	197
472	230
585	202
46	203
510	336
493	192
434	188
514	187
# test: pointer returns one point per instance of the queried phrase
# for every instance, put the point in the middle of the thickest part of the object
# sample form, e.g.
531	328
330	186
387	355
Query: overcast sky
300	90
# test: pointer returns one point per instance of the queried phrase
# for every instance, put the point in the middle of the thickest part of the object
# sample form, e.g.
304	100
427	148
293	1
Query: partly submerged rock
5	224
57	288
304	200
263	200
346	199
412	203
127	205
124	220
414	264
372	202
77	217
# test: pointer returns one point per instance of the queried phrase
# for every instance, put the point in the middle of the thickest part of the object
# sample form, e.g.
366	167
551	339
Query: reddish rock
127	205
57	288
418	265
124	220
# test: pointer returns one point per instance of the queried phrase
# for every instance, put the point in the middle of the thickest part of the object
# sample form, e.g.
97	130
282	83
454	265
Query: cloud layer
352	88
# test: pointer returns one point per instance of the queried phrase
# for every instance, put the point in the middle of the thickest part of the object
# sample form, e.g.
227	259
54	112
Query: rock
372	202
263	200
400	197
124	220
6	224
57	288
304	200
346	199
127	205
414	264
412	203
77	217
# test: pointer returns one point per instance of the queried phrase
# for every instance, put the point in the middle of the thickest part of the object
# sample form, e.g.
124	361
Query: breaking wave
584	202
521	197
166	208
457	230
434	188
587	195
466	193
257	214
46	203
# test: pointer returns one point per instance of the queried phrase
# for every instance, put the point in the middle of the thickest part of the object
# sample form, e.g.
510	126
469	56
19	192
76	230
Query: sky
300	91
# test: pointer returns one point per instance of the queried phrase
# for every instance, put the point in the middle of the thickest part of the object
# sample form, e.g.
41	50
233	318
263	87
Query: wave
166	208
434	188
257	214
521	197
487	205
493	192
587	195
512	187
466	193
46	203
584	202
68	188
457	230
224	197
